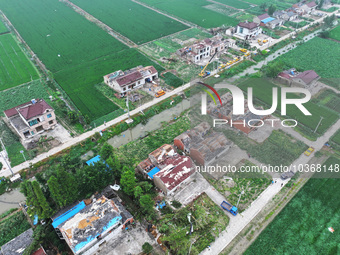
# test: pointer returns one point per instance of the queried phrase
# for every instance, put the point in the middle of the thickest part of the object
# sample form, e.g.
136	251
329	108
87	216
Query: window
33	122
50	122
49	115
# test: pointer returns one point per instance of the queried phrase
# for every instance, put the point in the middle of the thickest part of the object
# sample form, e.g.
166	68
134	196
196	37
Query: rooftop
308	76
263	16
82	224
249	25
18	245
30	109
132	75
178	169
269	19
311	4
162	152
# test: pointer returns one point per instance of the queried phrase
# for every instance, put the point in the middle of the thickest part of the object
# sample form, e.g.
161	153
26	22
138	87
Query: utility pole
4	156
239	198
318	124
23	154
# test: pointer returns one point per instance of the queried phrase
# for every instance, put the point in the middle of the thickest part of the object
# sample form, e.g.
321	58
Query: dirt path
9	215
185	22
100	24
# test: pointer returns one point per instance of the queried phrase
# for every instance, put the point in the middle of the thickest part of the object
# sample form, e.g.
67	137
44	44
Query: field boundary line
34	56
169	15
123	39
214	2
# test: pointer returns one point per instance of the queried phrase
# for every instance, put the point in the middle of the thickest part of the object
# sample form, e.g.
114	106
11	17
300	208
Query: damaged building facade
86	226
125	81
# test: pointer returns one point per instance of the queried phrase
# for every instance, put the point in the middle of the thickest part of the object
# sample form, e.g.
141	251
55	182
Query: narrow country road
239	222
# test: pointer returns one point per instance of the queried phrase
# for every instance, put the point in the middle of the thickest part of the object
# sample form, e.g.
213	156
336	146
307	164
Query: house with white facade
247	30
135	78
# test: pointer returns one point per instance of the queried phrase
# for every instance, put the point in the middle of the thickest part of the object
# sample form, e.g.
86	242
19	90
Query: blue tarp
35	221
64	217
93	160
112	222
267	20
154	171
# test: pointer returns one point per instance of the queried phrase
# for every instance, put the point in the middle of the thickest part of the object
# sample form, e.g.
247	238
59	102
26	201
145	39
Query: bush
147	248
176	204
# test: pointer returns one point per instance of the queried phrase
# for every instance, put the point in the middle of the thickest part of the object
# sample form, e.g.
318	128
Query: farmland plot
235	3
262	91
3	28
133	20
15	67
193	11
77	51
335	33
324	58
302	226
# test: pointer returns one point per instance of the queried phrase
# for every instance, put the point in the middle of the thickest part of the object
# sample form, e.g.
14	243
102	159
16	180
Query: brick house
31	118
126	81
304	79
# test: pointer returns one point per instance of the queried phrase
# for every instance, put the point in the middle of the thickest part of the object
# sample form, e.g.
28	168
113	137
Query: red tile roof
249	25
129	78
284	75
29	110
311	4
178	169
307	76
39	252
263	16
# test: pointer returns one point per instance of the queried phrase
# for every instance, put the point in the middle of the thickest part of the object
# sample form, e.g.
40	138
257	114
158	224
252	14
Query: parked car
309	151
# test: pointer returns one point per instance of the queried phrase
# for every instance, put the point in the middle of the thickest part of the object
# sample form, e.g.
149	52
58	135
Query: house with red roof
31	118
247	30
135	78
293	78
174	175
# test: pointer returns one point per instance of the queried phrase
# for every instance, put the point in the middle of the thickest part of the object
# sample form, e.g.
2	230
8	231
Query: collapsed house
86	226
245	123
204	49
18	244
31	118
202	144
125	81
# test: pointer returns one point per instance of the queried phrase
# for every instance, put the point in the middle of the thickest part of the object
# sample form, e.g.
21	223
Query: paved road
84	136
239	222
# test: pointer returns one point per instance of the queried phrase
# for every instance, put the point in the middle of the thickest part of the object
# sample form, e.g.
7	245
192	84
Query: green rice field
3	28
133	20
317	54
77	51
193	11
235	3
335	33
302	226
262	90
15	67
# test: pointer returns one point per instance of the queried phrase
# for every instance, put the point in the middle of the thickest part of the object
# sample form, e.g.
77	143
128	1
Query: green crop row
15	67
262	90
193	11
302	226
335	33
133	20
235	3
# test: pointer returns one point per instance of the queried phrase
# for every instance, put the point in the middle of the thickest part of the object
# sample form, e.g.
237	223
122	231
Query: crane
205	74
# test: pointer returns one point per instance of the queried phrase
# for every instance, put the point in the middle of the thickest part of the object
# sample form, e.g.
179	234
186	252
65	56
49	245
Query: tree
147	248
263	7
271	9
43	208
137	192
73	116
146	203
128	182
320	4
63	187
115	166
273	69
106	151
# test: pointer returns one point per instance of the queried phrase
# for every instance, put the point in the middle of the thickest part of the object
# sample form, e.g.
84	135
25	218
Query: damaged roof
178	169
18	245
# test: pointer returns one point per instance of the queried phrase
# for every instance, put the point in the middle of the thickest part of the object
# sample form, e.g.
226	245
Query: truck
160	93
230	208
